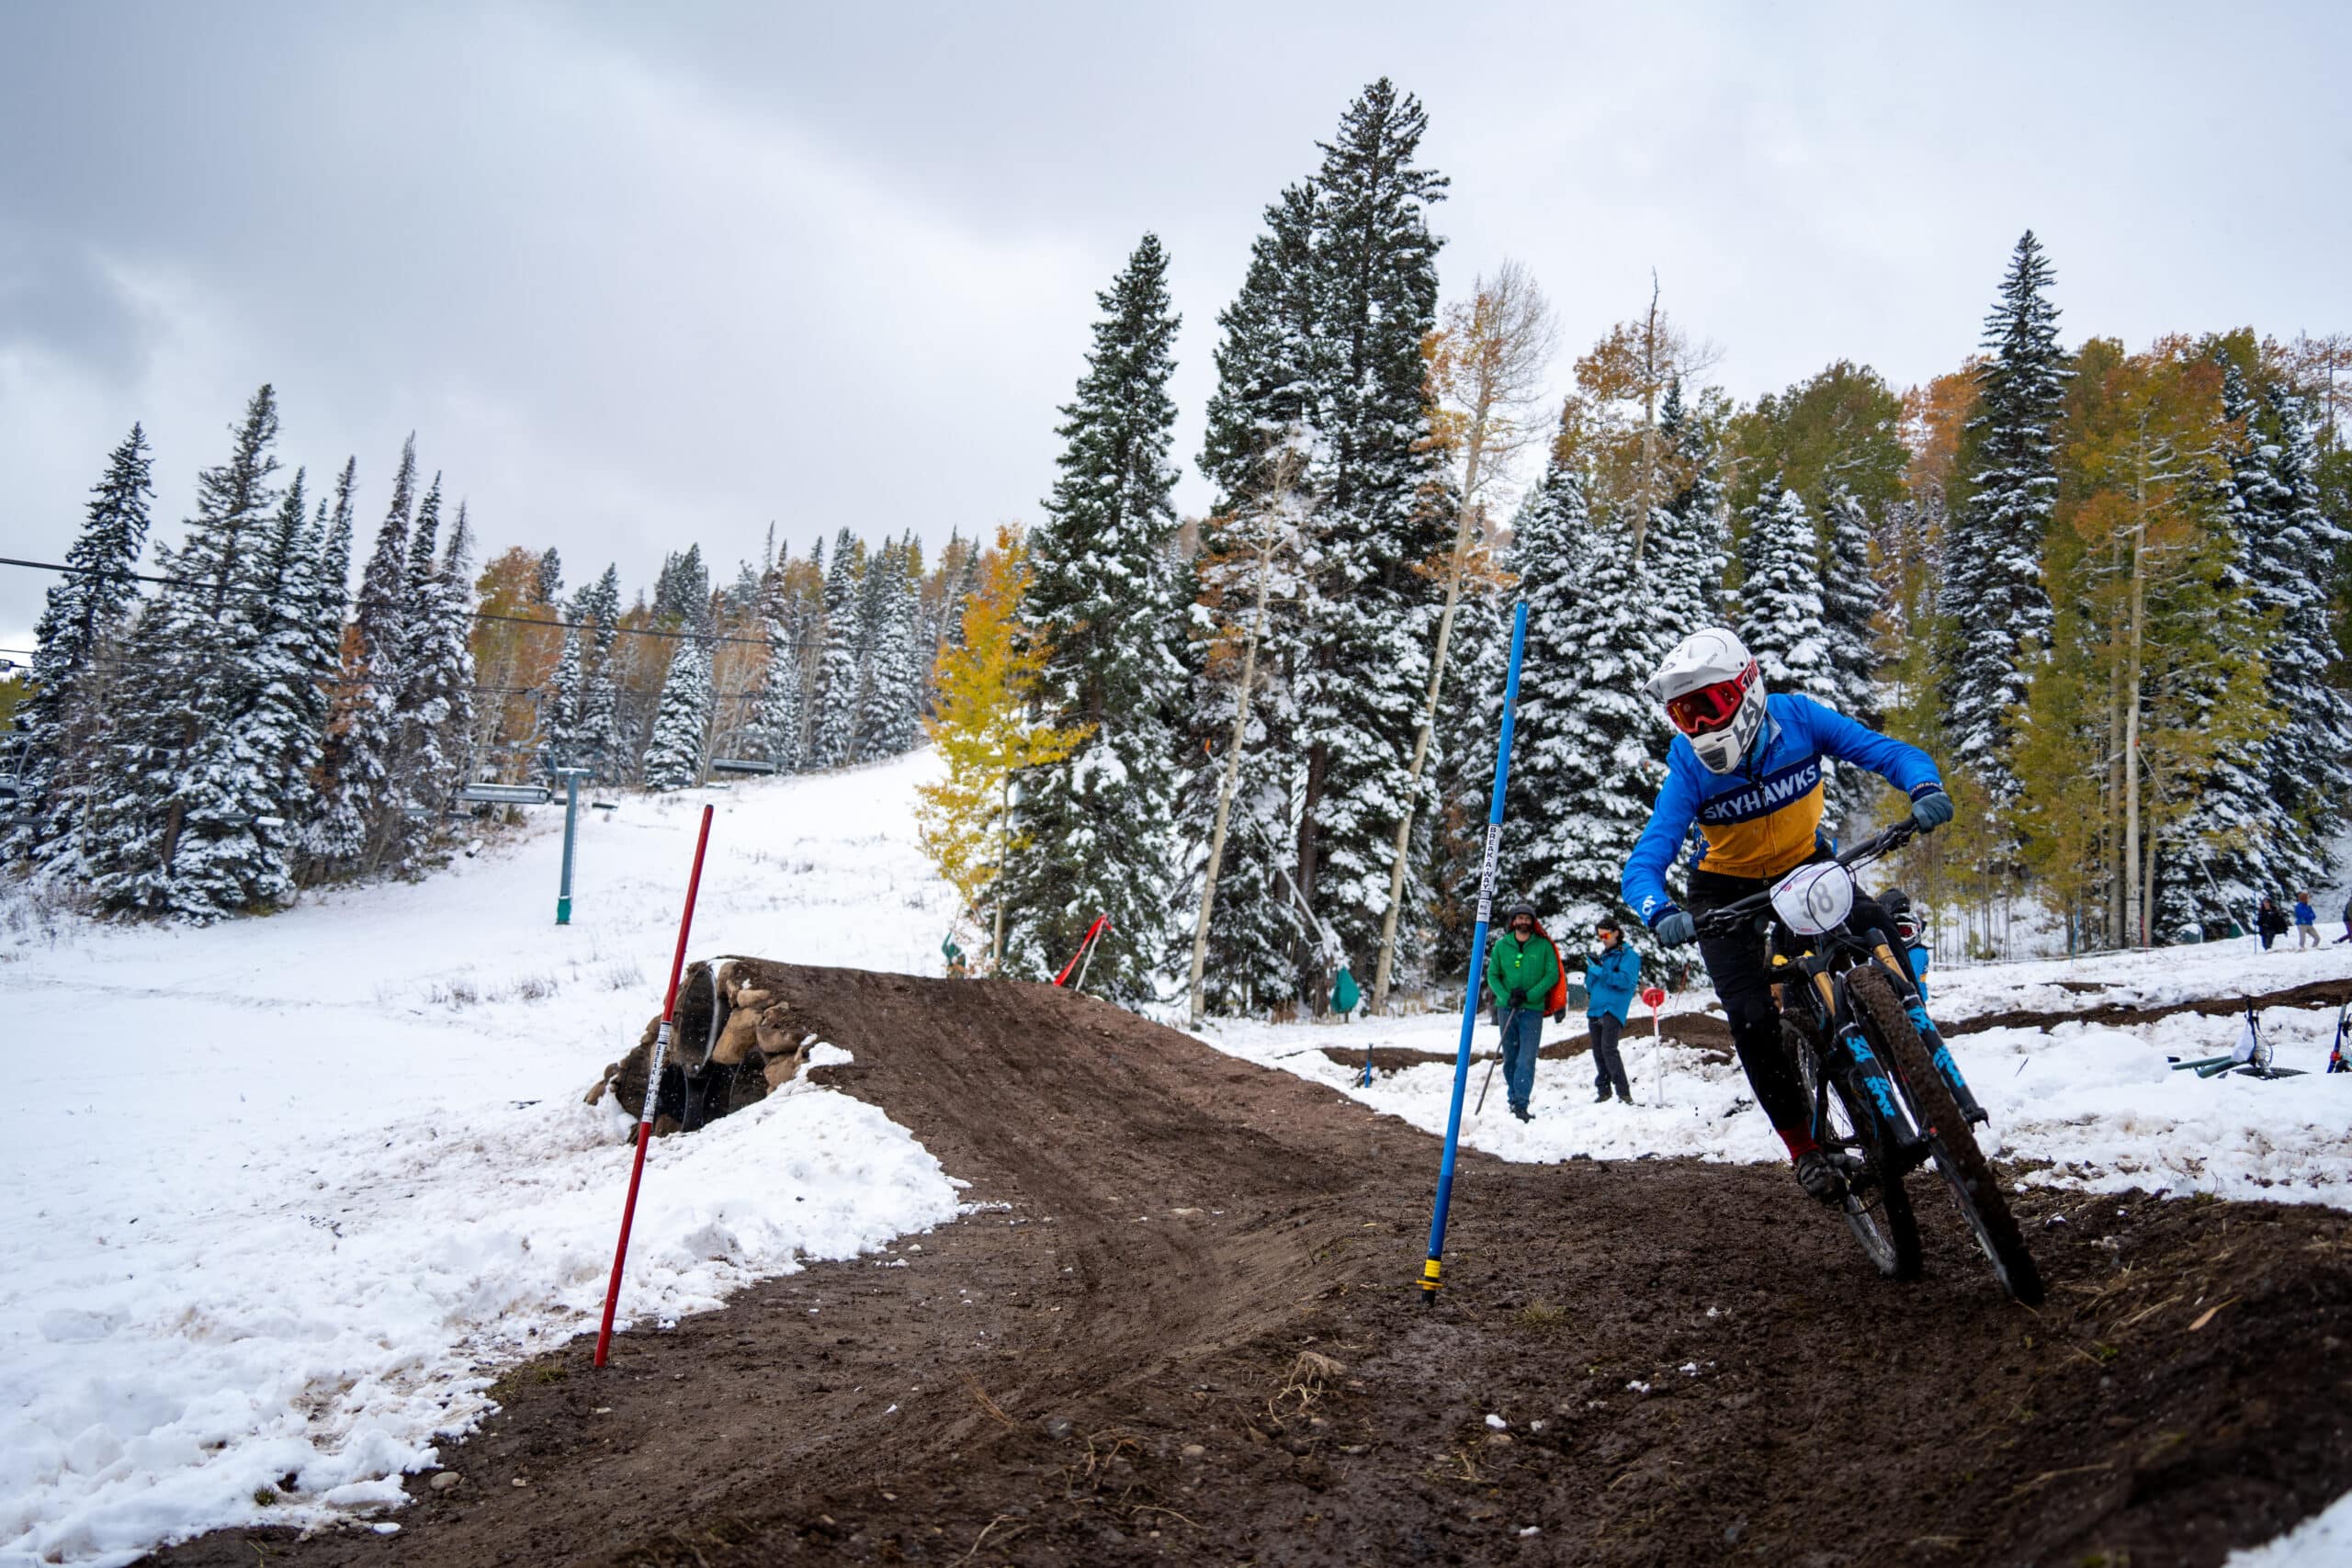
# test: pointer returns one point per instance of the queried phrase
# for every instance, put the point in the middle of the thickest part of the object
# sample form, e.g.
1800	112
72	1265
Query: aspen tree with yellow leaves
985	737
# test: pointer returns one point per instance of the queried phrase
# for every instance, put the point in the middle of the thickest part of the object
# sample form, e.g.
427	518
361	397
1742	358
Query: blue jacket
1610	980
1765	818
2304	914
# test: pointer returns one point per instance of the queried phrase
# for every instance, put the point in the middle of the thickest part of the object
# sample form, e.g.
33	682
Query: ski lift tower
571	777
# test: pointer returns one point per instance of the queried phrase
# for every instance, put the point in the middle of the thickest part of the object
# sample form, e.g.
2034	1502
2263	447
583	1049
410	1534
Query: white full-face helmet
1713	691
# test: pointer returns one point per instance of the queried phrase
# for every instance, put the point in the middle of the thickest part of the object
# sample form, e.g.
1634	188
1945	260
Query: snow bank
301	1186
2098	1103
2324	1541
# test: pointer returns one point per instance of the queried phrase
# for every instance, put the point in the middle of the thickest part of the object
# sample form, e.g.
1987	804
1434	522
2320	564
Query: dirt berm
1181	1326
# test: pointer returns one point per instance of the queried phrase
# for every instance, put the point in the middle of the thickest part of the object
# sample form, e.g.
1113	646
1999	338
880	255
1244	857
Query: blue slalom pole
1478	956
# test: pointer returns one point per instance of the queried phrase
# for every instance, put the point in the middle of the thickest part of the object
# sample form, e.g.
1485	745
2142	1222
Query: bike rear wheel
1877	1209
1961	1164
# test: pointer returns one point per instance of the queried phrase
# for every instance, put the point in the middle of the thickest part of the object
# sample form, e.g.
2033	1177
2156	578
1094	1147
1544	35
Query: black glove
1561	1016
1676	928
1518	999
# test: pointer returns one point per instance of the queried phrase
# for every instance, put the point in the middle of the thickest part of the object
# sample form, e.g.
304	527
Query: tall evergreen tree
1689	544
1589	753
82	621
355	823
1849	605
1102	604
1780	608
1366	640
674	760
2292	547
181	822
774	733
837	674
1994	602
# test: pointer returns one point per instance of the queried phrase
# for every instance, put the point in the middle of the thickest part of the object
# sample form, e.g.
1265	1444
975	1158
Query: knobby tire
1962	1164
1880	1218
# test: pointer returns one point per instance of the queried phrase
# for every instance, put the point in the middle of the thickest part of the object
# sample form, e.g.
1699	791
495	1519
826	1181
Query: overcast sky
639	275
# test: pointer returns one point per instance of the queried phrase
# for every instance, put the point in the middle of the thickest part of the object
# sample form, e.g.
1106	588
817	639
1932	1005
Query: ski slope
290	1190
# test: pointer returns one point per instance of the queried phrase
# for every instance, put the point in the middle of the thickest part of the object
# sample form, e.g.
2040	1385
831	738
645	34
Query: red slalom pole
652	1091
1083	944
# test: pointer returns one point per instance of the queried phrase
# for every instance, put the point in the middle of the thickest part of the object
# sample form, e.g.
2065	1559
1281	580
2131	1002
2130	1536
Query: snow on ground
290	1191
2100	1103
2324	1541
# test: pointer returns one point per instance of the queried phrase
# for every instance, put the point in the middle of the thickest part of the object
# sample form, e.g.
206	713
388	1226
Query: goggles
1709	708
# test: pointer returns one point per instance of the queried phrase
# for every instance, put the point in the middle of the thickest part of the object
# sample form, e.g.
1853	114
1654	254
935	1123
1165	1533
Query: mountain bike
1885	1101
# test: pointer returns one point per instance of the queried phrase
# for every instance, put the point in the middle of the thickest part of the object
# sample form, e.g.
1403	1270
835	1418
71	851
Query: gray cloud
637	277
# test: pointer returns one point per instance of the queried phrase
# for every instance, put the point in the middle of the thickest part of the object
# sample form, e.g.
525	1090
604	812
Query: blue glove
1677	927
1931	811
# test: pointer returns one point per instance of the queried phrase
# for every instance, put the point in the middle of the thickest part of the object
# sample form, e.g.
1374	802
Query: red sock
1800	1142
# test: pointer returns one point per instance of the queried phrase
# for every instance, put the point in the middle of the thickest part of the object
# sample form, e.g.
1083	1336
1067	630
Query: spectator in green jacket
1522	973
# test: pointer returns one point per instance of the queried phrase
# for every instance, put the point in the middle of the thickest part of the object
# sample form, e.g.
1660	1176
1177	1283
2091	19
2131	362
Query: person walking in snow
1523	975
2348	924
2269	923
2306	923
1612	973
1745	767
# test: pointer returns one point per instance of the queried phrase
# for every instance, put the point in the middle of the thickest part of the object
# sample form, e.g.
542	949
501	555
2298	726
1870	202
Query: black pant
1608	1067
1735	965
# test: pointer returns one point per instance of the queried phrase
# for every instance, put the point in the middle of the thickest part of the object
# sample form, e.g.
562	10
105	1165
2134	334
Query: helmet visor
1709	707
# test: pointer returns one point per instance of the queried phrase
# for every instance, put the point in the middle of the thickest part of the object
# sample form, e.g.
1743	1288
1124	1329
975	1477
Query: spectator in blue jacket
2306	923
1612	974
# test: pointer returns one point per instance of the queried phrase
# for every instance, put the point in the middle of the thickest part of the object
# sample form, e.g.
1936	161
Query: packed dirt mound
2317	994
1180	1323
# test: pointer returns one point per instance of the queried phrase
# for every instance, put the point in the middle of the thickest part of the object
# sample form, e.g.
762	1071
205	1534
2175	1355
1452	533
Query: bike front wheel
1877	1209
1961	1164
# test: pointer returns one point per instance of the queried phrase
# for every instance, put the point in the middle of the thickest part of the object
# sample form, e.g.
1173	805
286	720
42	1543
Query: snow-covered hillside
2100	1103
284	1194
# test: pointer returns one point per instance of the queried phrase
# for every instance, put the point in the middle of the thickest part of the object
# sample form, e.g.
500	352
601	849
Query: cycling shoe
1819	1176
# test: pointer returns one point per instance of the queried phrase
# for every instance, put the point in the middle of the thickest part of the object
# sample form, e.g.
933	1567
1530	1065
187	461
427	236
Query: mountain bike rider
1745	767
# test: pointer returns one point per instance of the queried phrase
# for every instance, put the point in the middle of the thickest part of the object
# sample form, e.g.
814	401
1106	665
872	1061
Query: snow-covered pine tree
837	674
1590	752
177	823
433	701
890	714
674	760
1994	600
560	712
356	819
775	732
1850	601
1689	543
1849	604
285	722
1385	514
82	622
550	586
2291	552
594	741
1260	445
1780	608
1462	767
1101	602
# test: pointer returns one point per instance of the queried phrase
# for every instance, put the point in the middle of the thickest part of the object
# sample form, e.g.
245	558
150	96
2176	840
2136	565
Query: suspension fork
1845	1035
1930	1035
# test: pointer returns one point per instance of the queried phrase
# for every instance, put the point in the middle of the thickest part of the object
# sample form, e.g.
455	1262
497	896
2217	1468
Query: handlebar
1727	919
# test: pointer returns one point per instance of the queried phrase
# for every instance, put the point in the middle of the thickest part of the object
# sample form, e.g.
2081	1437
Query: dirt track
1191	1334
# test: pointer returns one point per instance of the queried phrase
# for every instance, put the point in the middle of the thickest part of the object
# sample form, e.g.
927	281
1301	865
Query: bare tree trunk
1003	844
1421	740
2134	903
1649	423
1228	785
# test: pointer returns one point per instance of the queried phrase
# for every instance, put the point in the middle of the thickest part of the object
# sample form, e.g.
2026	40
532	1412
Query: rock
779	1073
522	1481
447	1481
1059	1426
735	1040
1194	1450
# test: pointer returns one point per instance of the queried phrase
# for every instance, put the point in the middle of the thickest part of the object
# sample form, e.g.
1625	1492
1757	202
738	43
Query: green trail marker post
571	777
